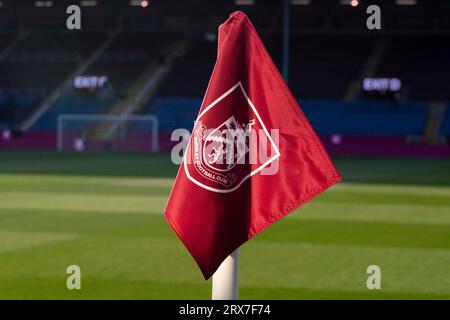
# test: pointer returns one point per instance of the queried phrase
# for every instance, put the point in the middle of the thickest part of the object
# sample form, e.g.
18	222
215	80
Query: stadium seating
5	39
419	16
38	53
307	17
422	63
313	59
69	105
322	67
366	118
175	113
445	126
15	104
125	58
121	63
327	55
38	63
190	80
327	117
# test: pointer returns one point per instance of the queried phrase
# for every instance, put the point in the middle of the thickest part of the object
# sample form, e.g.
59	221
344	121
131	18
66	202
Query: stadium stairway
369	69
69	105
13	44
56	93
434	122
142	90
444	130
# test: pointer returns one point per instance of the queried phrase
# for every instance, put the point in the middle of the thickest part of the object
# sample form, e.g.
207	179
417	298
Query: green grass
103	212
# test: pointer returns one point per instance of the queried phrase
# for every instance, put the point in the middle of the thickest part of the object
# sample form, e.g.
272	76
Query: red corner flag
252	157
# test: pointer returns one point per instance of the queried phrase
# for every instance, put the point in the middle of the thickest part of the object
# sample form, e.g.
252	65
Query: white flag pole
226	279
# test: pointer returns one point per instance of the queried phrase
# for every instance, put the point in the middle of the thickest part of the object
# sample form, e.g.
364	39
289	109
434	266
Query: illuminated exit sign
382	84
89	82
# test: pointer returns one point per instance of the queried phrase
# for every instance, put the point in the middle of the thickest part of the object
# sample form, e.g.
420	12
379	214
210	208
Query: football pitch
103	212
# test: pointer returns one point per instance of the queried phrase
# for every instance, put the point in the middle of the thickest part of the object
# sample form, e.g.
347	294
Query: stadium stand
126	57
121	63
190	80
327	117
38	64
445	127
323	66
175	112
15	104
329	53
5	39
423	64
71	104
366	118
313	58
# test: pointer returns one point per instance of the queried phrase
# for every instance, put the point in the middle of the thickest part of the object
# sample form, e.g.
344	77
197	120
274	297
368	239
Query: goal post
103	132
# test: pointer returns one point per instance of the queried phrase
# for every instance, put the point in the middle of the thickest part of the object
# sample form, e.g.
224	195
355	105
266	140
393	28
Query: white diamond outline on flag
265	164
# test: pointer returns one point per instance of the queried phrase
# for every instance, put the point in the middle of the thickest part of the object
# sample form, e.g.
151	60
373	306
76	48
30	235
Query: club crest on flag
229	144
252	157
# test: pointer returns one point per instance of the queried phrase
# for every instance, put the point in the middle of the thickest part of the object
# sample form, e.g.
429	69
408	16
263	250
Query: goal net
100	132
